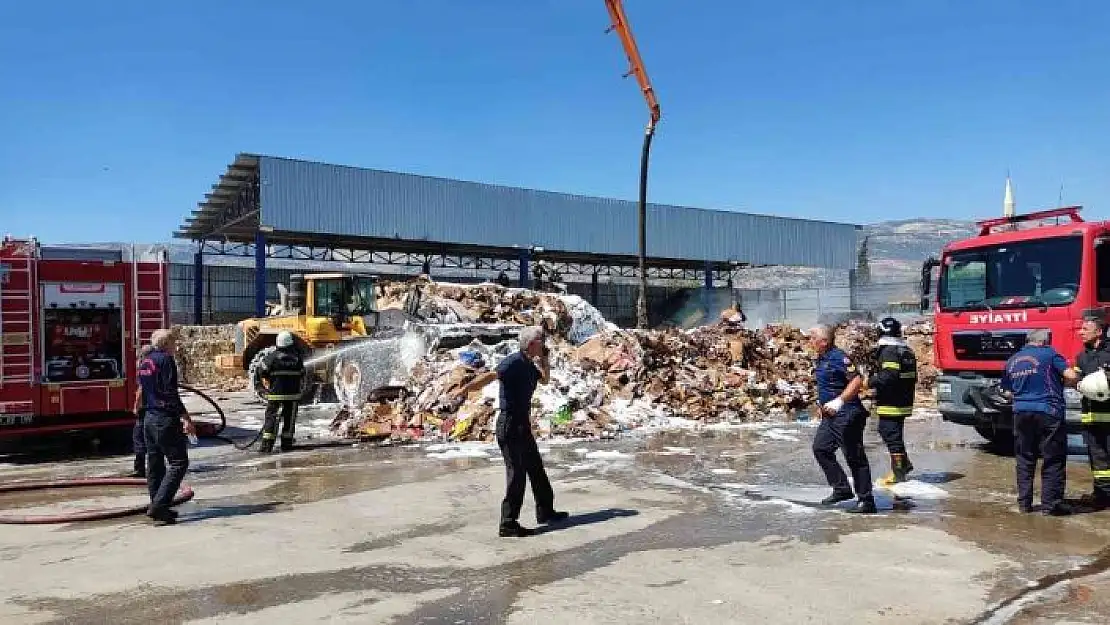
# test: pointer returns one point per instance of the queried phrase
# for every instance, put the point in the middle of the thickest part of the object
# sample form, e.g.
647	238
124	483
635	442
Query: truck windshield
1012	275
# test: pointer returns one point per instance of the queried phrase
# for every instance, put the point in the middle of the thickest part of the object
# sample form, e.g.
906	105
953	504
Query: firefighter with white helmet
282	372
1091	364
894	383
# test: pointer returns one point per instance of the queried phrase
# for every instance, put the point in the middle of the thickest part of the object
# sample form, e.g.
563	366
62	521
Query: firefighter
165	425
282	373
894	385
1095	414
1035	376
138	438
519	373
842	424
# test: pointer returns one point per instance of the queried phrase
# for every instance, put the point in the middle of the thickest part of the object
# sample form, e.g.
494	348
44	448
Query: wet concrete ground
708	526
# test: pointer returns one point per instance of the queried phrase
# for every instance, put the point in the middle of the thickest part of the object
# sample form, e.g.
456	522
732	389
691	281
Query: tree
863	263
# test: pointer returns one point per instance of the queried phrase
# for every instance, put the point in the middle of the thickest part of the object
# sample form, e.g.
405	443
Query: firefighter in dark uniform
519	373
283	373
894	384
1034	376
1095	414
138	431
842	423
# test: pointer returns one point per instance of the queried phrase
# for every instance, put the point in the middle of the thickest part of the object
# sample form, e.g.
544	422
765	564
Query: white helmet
285	339
1095	386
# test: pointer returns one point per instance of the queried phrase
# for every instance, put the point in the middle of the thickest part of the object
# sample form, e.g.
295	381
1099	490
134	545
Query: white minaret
1008	200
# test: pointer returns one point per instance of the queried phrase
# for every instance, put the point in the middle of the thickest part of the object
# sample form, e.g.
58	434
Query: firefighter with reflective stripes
894	384
1095	414
282	373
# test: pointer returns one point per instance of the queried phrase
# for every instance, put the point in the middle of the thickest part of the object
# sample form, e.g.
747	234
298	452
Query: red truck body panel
71	323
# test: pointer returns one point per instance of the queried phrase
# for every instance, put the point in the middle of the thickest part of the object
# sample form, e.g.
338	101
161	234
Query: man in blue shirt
843	420
165	424
1035	376
519	374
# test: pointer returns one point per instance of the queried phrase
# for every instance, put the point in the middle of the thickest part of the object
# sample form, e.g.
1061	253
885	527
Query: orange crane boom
635	62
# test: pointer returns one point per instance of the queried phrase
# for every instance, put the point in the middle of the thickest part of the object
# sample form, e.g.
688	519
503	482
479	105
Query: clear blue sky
116	117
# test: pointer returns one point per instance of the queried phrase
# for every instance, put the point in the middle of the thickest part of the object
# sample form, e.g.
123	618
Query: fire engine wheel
185	493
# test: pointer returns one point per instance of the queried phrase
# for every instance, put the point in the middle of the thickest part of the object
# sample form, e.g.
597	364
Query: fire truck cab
71	322
1048	270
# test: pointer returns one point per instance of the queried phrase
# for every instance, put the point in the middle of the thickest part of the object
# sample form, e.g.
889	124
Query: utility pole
636	68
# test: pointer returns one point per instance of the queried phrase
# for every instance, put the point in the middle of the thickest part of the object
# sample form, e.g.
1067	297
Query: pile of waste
562	316
197	349
603	379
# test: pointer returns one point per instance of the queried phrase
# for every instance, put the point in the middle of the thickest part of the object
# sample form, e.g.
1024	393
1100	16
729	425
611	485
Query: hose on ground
223	422
185	493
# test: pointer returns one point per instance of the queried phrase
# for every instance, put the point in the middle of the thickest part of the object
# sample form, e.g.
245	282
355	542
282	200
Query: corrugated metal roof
302	196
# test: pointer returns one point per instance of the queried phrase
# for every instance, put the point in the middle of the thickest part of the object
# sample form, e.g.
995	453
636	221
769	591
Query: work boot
1060	509
1095	501
139	468
900	465
163	517
551	517
287	444
514	530
863	506
836	497
266	446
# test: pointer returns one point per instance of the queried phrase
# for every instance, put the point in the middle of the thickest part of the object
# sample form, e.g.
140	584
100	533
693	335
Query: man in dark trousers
138	433
165	423
1035	376
1095	414
842	423
283	372
519	373
894	385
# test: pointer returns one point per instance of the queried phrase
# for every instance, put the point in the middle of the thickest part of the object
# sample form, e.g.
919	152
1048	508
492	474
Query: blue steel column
708	289
198	287
525	257
260	274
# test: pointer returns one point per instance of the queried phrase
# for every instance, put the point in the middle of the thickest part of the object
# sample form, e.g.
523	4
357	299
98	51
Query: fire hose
185	493
212	430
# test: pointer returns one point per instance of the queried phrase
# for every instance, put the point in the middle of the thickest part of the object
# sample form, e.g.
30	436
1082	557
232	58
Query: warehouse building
272	210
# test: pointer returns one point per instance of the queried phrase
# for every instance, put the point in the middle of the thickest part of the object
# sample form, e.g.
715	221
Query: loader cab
347	301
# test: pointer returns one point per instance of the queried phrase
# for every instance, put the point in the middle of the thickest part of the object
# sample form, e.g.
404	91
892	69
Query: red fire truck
71	322
1047	270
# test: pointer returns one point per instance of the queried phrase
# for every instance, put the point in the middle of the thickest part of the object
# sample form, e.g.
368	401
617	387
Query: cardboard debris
604	379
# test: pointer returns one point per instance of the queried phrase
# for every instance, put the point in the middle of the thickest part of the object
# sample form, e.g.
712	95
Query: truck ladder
16	318
150	300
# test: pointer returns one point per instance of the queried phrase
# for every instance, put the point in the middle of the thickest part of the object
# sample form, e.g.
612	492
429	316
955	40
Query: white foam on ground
915	490
581	451
447	451
738	486
460	453
607	455
667	480
678	450
780	434
723	471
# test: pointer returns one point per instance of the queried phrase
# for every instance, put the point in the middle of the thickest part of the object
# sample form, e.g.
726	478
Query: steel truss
510	266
